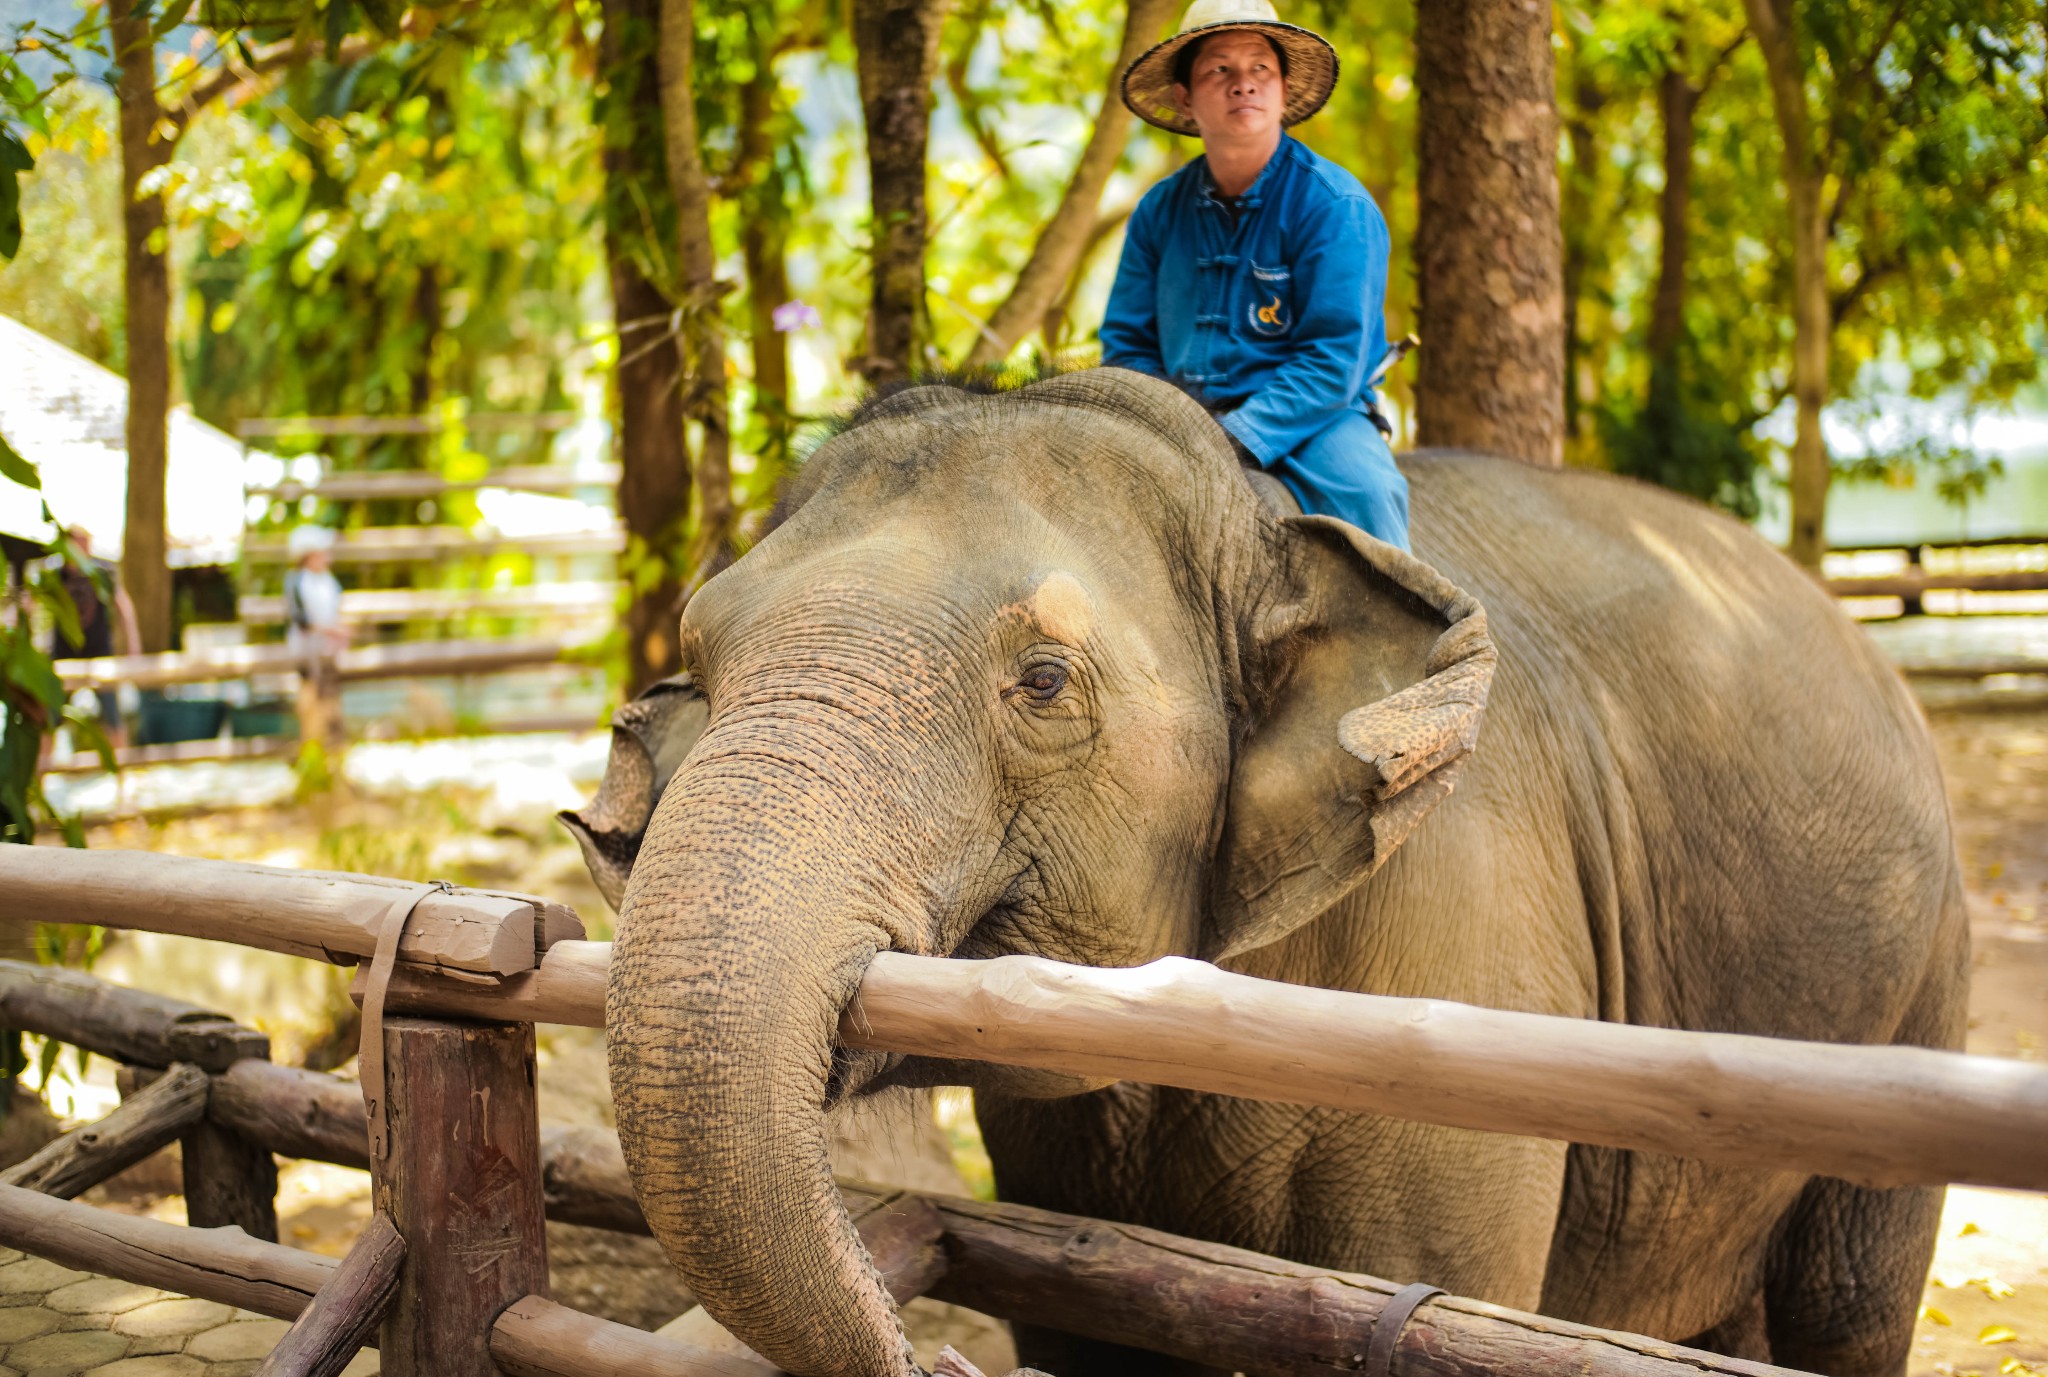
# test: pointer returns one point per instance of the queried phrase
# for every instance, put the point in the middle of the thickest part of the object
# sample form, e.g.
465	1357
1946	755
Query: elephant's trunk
746	929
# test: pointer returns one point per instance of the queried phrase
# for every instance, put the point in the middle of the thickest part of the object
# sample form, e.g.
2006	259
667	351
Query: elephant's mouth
858	1072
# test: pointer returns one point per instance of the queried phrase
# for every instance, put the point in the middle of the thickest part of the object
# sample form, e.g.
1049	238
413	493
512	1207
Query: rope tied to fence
370	1061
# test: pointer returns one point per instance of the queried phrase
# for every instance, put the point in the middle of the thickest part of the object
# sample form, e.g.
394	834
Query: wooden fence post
229	1180
462	1181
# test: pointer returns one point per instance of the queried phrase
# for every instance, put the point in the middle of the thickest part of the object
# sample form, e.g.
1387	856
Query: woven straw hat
1311	62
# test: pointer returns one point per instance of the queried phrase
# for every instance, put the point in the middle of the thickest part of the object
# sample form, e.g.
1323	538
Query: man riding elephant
1255	278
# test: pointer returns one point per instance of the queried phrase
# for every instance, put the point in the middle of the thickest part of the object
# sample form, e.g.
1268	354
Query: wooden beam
229	1179
146	1122
224	1265
293	1112
462	1182
538	1338
425	544
1874	1115
401	660
330	917
1914	581
126	1025
1973	667
260	427
428	604
543	1339
347	486
1879	1116
211	749
1233	1309
566	986
345	1312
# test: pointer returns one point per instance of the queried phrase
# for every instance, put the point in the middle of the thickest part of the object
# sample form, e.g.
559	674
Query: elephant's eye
1042	683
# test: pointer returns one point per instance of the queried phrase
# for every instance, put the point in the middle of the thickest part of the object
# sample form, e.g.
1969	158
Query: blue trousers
1347	471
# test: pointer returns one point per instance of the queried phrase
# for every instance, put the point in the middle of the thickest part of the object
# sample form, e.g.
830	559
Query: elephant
1042	670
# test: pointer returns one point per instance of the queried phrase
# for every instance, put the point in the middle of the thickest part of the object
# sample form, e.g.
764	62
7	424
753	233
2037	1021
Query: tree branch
1713	72
1065	234
275	57
973	110
1845	301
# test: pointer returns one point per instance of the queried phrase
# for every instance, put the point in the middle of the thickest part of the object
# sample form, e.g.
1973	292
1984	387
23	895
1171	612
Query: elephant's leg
1843	1284
1049	1350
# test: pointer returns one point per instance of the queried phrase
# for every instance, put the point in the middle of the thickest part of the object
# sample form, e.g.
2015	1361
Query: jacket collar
1260	184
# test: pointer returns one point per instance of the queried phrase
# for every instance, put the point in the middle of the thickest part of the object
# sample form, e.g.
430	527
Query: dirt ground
1986	1308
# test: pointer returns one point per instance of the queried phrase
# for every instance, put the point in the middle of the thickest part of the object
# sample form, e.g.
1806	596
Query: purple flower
795	315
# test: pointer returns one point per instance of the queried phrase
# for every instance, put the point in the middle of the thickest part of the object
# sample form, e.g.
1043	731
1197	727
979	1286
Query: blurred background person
314	631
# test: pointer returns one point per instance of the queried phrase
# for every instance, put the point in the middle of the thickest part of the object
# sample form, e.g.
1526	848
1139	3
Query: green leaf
173	15
30	672
13	467
88	731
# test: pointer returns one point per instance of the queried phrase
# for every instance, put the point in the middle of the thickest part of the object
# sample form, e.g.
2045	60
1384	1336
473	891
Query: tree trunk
654	463
764	243
898	46
1488	243
145	568
1064	240
1052	327
1576	195
700	343
1678	99
1771	21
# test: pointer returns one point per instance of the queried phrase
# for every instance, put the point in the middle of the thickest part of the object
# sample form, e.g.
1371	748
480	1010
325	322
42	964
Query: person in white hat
314	630
1255	277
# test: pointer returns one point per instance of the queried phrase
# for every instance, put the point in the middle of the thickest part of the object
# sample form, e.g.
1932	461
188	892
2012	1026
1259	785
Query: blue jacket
1277	324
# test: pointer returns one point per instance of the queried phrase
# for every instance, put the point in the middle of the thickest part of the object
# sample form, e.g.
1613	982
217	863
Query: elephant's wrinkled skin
1039	672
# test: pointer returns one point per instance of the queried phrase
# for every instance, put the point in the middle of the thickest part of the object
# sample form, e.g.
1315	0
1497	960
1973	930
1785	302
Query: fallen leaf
1968	1229
1933	1316
1997	1334
1992	1287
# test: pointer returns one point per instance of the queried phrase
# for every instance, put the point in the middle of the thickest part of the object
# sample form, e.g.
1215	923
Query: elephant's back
1751	791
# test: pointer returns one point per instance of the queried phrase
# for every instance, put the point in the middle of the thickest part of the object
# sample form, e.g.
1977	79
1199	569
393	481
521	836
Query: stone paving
55	1322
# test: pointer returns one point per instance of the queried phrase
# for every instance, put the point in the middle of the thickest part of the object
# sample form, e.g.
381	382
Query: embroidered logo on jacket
1268	312
1270	317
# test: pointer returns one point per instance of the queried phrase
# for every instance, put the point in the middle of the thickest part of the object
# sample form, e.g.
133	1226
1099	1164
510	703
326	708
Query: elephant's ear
650	737
1376	680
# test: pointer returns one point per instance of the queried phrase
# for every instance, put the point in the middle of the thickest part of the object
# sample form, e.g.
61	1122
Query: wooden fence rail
1874	1115
317	914
400	660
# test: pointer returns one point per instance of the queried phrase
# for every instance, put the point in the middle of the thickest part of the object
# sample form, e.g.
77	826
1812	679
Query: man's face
1236	89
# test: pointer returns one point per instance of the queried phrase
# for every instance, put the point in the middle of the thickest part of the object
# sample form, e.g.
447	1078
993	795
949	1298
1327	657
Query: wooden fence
459	1290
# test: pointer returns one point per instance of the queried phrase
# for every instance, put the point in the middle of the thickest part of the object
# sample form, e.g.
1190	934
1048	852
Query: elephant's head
1027	672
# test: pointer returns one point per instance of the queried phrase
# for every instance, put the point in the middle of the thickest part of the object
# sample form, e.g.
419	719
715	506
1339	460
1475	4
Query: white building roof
66	415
